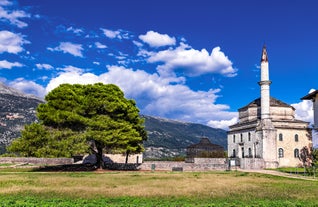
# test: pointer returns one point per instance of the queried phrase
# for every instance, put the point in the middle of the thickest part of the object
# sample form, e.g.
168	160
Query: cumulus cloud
13	17
157	95
68	47
44	66
223	124
155	39
193	62
8	65
11	42
116	34
304	110
28	87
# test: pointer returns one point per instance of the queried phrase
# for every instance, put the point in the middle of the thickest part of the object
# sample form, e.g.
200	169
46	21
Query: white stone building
313	96
267	134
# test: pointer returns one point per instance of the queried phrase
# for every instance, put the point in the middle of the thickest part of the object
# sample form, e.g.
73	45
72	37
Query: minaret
266	131
265	83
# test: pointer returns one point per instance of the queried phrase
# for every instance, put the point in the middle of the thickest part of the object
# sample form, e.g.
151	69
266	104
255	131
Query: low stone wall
218	161
182	166
37	161
252	163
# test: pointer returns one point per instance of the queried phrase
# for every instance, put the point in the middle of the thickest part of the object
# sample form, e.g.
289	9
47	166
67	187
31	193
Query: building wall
243	139
289	145
249	140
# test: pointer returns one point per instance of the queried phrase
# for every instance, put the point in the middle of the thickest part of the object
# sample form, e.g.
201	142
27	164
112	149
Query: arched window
233	153
296	137
296	153
249	152
249	136
233	138
241	137
280	137
280	152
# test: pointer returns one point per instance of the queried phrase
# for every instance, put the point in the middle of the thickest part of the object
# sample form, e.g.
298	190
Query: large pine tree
80	118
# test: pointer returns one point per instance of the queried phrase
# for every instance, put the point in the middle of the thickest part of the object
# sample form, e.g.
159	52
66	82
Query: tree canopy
80	118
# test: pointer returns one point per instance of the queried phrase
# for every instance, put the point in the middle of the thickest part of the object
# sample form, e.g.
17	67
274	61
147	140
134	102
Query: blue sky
195	61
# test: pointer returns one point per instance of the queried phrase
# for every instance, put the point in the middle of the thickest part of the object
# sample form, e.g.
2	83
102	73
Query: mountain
16	110
166	138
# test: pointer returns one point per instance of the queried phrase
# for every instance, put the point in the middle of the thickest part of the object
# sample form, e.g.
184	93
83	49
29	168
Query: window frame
296	138
280	152
280	137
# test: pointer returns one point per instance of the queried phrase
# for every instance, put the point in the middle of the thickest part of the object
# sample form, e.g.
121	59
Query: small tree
81	118
308	157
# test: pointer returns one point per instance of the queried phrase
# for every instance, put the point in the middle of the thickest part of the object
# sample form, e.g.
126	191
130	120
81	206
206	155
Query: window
233	153
280	152
296	137
249	136
233	138
296	153
242	152
280	137
249	152
241	137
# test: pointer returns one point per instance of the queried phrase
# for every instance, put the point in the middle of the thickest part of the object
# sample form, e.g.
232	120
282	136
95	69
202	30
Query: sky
192	61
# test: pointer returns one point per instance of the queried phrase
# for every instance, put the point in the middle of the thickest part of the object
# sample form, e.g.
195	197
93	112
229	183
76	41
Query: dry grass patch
245	186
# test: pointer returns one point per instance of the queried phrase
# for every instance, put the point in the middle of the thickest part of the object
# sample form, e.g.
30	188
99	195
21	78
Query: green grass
111	188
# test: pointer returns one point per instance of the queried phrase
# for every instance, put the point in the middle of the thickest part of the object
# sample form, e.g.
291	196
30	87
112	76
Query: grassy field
24	187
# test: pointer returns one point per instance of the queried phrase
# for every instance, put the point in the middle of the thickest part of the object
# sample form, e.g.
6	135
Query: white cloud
304	110
68	47
116	34
71	69
28	87
138	44
100	45
76	31
193	62
8	65
11	42
155	39
13	17
222	124
5	3
156	95
44	66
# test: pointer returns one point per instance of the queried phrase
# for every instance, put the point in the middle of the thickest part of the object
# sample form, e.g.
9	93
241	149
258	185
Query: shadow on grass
88	167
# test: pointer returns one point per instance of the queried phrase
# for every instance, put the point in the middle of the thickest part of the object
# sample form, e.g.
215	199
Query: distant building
267	134
204	149
313	96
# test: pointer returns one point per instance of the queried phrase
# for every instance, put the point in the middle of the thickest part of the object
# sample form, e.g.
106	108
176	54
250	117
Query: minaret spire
264	55
265	83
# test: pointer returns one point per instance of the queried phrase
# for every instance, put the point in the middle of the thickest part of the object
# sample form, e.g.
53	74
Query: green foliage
74	116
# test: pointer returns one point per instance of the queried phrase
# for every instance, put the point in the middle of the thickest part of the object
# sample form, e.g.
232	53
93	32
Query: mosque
267	134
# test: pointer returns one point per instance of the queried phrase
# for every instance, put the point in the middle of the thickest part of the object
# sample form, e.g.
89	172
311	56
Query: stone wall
220	164
37	161
252	163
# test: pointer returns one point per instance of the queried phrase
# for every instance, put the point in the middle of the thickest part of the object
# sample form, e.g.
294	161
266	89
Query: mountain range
166	138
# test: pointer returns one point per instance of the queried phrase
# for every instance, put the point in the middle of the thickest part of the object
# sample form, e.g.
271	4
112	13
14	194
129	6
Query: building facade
267	130
313	96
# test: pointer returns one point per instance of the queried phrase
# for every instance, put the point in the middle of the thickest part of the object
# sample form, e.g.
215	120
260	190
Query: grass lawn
24	187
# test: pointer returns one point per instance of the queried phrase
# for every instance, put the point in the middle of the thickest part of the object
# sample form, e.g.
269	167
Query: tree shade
83	118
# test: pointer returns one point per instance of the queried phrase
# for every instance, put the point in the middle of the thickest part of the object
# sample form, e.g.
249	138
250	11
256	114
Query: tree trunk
99	155
127	155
